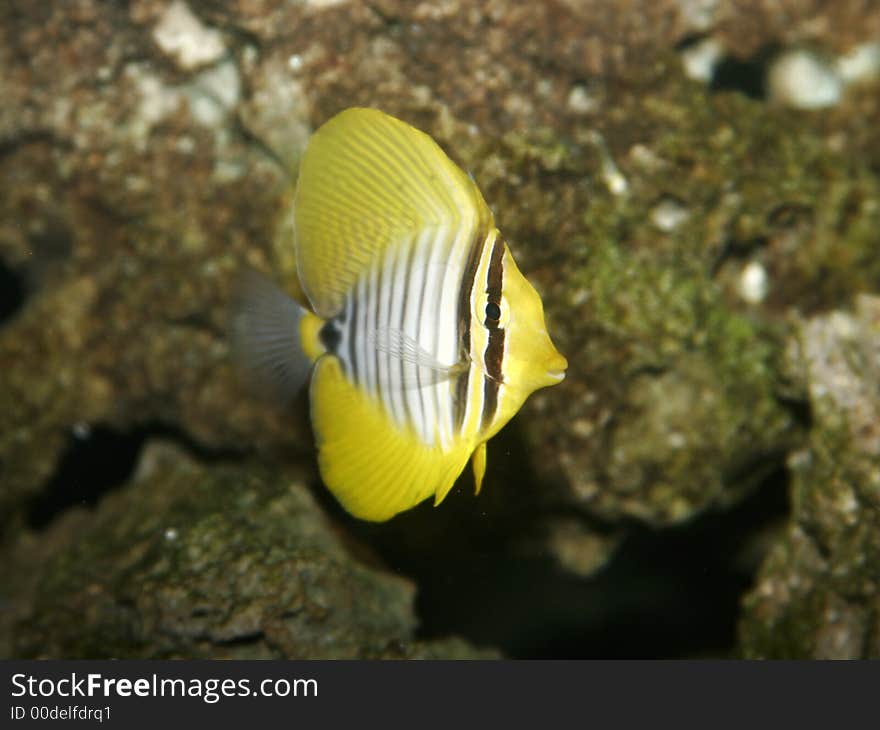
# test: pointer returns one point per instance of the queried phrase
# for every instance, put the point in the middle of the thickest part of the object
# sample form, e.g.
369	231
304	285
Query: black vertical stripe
495	346
465	294
352	335
494	279
330	335
490	400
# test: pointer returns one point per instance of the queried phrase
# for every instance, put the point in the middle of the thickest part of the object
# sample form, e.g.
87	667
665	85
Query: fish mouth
556	372
556	375
555	369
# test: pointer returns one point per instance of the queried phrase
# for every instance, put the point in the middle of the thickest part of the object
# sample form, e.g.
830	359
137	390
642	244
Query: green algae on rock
131	198
675	398
209	562
674	406
818	592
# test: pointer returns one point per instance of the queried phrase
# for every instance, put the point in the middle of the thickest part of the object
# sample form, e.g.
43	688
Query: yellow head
517	345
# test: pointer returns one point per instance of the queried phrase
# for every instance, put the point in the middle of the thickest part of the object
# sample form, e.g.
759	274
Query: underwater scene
440	330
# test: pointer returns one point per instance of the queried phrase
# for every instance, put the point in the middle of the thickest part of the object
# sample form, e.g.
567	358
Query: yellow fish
423	338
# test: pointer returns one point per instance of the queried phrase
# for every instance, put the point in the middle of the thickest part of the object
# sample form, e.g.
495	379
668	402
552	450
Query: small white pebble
580	296
799	459
295	62
136	184
700	59
860	65
226	171
753	283
582	428
803	80
580	101
249	56
82	429
645	157
611	174
181	35
698	14
848	506
213	93
613	177
669	214
185	145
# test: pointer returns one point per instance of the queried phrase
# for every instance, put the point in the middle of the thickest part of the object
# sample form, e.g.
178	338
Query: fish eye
493	311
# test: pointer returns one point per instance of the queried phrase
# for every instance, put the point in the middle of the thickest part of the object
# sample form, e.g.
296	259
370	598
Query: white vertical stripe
388	364
444	333
430	326
398	279
380	288
414	280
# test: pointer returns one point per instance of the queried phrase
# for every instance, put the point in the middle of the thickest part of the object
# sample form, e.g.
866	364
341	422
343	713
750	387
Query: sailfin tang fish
426	338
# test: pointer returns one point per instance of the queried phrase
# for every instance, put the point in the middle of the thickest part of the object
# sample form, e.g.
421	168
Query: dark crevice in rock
666	593
735	250
92	464
100	459
11	144
689	41
240	36
254	637
12	292
253	140
800	411
747	76
730	73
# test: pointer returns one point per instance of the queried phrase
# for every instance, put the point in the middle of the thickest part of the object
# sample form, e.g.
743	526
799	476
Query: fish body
425	337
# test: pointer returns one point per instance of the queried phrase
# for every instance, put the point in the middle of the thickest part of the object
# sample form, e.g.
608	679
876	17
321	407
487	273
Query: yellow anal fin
374	468
479	464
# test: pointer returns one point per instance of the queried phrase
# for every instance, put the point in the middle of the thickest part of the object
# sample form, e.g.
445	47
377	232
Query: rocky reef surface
694	188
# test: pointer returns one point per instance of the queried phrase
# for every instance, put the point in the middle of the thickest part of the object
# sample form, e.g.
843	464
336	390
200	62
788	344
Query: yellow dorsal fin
367	182
372	467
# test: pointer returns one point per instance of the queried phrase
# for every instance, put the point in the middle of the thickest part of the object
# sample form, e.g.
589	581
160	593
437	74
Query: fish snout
552	364
555	367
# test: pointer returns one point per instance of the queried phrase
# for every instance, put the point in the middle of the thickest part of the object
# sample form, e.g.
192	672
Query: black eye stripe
494	352
494	280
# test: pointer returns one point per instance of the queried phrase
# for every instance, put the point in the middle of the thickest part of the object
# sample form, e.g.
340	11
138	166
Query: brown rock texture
682	233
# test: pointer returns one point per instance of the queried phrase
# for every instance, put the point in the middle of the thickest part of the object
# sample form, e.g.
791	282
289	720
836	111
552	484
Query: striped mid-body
414	334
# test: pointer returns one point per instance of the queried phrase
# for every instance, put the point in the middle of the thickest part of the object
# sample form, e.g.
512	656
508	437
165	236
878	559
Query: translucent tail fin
265	337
